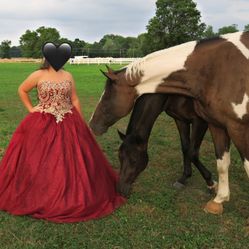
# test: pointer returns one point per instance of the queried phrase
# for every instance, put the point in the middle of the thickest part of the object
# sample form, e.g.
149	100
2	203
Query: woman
53	168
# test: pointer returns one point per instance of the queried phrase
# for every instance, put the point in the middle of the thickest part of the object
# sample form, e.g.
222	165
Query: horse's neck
137	117
144	114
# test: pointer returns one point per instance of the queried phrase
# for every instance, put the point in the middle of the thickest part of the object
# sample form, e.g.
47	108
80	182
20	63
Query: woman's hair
45	64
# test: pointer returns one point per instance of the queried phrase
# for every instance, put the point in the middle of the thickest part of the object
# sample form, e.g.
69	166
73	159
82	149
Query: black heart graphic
56	55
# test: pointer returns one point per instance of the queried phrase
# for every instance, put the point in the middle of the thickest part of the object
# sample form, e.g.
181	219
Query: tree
28	43
31	42
15	51
77	46
5	49
228	29
132	47
175	22
246	28
144	46
46	35
209	33
112	45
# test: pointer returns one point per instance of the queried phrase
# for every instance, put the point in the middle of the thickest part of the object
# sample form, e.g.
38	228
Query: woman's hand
27	85
34	109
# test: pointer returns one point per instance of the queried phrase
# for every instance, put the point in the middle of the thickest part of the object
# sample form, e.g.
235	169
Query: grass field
156	215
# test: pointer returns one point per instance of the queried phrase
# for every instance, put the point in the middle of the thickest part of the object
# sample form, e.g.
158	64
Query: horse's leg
184	132
246	165
199	128
239	134
222	146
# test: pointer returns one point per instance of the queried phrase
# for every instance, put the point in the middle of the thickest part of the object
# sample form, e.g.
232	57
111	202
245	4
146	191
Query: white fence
100	60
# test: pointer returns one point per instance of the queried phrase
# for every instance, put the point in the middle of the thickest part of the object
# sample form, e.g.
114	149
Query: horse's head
133	159
116	101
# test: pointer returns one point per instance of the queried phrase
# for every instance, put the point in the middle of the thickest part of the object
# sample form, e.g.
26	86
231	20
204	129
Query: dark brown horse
213	72
133	150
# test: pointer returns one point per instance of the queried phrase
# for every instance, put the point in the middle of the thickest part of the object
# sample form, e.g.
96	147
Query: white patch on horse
246	166
235	39
159	65
241	109
223	193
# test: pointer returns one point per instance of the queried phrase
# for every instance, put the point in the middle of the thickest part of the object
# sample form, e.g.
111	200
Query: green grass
156	215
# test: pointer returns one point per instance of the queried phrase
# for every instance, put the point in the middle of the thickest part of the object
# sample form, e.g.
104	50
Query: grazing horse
133	150
214	72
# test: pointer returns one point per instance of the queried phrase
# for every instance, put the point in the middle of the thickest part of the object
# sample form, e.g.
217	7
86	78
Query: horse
133	154
214	72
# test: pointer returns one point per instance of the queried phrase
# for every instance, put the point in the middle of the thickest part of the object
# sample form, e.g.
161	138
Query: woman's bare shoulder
68	75
35	75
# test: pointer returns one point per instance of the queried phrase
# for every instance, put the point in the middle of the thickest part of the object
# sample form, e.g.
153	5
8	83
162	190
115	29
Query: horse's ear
121	135
109	69
110	75
103	72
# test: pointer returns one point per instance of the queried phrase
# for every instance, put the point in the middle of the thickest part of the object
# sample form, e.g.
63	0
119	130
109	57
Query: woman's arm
28	84
75	99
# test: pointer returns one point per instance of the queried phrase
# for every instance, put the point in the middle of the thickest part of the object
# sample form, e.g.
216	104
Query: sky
90	20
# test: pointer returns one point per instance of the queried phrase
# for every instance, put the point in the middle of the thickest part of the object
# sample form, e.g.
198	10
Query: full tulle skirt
57	171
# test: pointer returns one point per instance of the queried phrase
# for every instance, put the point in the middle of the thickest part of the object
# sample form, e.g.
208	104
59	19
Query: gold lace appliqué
55	98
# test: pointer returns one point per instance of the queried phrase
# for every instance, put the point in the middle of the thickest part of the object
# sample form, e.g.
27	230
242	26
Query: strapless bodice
55	98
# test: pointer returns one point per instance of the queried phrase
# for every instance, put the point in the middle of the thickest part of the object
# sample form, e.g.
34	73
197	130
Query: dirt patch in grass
2	150
14	60
247	227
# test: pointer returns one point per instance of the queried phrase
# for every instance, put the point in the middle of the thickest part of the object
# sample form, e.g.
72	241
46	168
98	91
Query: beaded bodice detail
55	98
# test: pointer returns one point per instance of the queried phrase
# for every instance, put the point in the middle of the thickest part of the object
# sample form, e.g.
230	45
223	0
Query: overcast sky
89	20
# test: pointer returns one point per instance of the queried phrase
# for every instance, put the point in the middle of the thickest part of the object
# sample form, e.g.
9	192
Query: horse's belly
211	114
180	107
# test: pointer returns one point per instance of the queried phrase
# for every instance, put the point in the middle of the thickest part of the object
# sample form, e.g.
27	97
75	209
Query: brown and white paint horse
214	72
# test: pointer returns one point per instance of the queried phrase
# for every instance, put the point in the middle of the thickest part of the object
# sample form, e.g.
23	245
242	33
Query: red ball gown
53	168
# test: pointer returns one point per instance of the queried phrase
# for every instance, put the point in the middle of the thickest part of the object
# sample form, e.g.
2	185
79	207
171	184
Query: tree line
175	22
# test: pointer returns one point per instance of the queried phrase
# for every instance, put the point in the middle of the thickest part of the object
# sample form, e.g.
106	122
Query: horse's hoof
213	207
213	189
178	185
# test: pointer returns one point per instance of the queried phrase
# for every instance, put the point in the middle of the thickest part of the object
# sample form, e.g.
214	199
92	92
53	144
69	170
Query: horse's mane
134	68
